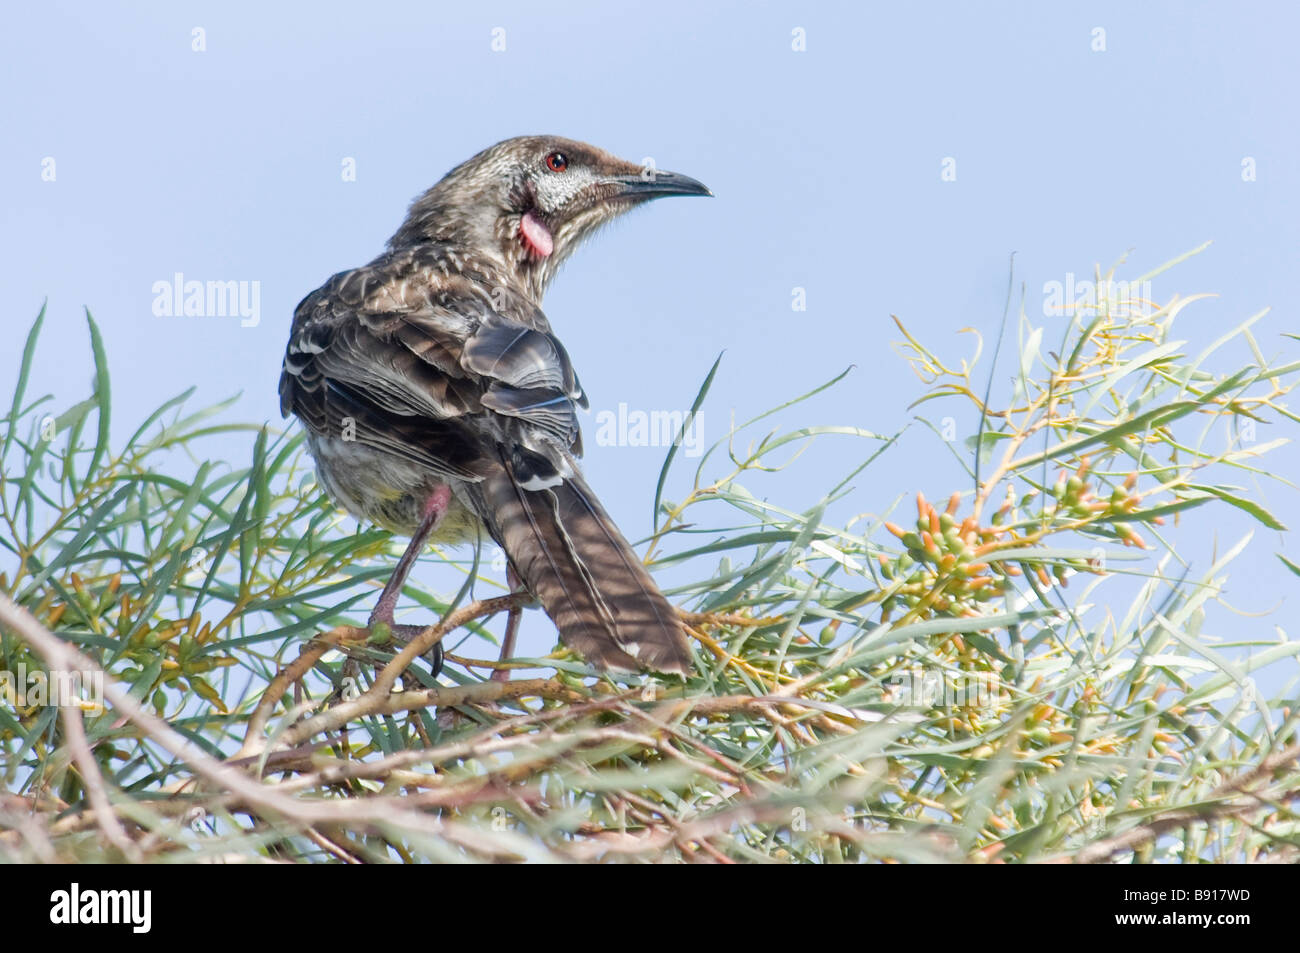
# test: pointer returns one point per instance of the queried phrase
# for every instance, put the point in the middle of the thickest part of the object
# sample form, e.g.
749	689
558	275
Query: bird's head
531	201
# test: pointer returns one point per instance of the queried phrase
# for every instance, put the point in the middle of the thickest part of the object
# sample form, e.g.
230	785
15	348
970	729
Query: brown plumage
434	367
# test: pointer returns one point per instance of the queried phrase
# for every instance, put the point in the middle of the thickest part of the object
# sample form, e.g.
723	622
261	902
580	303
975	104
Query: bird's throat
536	236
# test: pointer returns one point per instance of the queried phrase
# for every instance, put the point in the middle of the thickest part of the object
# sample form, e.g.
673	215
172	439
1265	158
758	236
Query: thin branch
1178	818
93	782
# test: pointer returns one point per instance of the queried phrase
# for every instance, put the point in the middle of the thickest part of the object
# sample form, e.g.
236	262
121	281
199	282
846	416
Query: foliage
1021	675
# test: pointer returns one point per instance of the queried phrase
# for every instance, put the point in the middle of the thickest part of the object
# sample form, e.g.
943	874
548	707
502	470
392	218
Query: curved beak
655	183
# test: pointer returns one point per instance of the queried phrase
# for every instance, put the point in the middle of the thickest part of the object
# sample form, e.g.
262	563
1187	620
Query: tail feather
575	561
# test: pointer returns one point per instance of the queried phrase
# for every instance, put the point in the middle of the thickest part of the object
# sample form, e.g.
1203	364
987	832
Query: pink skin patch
536	236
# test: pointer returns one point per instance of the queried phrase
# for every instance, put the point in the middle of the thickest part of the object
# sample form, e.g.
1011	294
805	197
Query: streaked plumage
434	365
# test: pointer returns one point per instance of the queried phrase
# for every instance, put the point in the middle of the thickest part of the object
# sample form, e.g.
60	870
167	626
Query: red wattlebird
438	403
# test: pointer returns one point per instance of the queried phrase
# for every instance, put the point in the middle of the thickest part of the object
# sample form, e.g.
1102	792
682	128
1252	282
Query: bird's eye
557	162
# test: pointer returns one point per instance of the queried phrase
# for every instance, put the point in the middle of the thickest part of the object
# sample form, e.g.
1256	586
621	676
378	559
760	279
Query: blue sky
225	164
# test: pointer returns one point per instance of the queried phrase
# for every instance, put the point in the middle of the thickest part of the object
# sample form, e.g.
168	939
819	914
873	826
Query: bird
438	403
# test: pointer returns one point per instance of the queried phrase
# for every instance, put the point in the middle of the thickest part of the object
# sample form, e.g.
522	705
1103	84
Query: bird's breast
379	488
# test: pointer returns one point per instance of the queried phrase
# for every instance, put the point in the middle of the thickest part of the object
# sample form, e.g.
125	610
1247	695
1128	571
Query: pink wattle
536	235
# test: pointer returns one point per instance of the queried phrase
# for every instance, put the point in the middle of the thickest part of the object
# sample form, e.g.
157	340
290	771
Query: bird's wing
465	378
434	367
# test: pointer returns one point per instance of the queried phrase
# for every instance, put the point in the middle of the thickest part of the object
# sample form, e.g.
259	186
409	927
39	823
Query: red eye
557	162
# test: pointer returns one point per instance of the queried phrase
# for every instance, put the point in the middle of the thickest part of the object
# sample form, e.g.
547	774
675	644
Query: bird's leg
435	508
512	625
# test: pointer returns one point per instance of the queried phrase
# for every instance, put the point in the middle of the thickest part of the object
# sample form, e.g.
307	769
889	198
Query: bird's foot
512	625
405	633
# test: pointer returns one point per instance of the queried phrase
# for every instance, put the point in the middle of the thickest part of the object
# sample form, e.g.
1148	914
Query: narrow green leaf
681	433
103	399
24	372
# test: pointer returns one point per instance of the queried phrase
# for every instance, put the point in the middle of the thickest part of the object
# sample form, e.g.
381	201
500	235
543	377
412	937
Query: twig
1179	818
391	703
308	656
375	813
93	782
377	698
